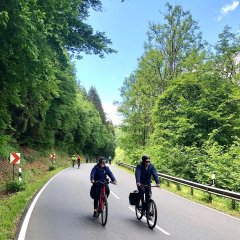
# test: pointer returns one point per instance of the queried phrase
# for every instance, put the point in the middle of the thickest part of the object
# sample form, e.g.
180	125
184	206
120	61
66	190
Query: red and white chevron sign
15	158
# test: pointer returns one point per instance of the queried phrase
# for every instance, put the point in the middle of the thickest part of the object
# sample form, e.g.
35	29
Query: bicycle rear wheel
139	209
151	214
104	212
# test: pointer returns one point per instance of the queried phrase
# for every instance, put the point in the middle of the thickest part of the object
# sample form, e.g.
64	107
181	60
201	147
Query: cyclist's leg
148	193
141	192
96	193
107	189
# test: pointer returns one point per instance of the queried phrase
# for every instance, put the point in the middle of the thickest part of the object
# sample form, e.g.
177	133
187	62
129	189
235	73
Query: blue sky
126	24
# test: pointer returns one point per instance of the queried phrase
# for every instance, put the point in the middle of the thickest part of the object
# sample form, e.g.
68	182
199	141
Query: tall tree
175	39
225	59
95	99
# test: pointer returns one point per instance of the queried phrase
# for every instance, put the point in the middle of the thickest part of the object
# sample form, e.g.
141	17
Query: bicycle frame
103	205
102	196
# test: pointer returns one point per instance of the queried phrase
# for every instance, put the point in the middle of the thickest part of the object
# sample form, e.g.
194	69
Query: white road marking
115	195
159	228
29	212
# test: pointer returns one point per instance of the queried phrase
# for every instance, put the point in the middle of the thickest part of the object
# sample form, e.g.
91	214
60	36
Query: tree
175	39
197	107
227	49
95	99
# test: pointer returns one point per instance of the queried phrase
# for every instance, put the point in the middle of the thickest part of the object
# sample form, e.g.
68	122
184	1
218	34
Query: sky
126	24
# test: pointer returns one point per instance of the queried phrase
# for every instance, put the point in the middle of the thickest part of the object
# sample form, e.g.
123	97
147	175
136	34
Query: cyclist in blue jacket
144	171
99	173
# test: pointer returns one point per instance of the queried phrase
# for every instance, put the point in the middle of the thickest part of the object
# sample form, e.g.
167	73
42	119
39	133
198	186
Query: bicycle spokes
151	214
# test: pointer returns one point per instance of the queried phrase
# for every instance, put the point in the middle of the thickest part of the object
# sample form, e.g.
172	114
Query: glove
138	184
159	185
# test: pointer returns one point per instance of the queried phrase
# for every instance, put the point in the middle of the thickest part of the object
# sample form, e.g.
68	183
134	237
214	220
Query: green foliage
95	99
41	104
181	104
194	107
52	167
12	187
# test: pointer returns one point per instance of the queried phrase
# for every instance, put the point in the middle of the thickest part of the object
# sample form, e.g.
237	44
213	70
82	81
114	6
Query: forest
181	105
43	105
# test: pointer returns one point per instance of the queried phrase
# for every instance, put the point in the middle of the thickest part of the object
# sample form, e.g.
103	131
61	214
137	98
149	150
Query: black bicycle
147	208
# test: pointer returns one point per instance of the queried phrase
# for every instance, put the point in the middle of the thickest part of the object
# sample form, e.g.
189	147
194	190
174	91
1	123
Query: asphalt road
63	211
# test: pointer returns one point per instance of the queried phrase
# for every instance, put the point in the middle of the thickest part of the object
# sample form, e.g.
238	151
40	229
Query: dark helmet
101	160
145	157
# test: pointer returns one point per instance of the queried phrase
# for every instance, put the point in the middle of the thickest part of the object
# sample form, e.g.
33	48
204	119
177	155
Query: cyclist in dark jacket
144	171
100	173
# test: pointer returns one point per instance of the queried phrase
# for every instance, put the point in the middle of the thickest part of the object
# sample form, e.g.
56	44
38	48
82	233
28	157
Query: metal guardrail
209	189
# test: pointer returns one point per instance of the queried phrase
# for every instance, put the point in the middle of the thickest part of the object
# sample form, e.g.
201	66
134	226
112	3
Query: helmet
145	157
101	160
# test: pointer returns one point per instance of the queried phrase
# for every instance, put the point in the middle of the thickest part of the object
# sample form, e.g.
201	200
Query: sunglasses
148	161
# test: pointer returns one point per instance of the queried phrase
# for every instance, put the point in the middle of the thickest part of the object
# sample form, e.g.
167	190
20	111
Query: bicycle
103	204
151	209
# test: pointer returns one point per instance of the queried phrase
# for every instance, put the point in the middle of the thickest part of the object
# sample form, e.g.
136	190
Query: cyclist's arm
110	174
155	175
138	175
92	174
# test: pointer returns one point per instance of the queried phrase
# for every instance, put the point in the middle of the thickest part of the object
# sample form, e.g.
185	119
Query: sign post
14	159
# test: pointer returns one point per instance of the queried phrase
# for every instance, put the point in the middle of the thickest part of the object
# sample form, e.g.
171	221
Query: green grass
12	206
219	203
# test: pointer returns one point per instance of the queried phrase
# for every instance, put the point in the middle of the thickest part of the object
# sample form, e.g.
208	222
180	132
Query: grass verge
12	208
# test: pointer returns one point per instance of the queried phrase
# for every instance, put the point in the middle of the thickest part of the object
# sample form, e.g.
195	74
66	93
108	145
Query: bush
52	167
12	187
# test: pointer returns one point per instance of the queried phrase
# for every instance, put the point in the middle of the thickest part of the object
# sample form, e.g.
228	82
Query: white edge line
160	229
29	212
115	195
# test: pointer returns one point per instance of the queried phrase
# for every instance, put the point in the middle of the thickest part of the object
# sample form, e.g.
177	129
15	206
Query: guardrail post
191	190
210	198
178	186
233	204
168	183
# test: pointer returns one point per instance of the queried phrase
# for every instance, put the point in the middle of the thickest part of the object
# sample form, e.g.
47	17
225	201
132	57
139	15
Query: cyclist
144	171
99	173
110	160
73	160
78	161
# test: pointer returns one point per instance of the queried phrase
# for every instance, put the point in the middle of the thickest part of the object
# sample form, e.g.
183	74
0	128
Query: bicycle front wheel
104	212
151	214
139	209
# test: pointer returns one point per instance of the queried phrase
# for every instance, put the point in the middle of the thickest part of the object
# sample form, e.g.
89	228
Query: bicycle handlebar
150	186
105	182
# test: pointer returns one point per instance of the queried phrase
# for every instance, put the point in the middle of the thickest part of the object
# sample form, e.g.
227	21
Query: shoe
94	214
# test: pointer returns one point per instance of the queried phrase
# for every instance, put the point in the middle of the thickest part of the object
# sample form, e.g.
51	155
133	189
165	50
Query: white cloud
228	8
112	114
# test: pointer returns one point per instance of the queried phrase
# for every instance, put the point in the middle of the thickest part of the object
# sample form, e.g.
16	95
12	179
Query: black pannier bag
133	197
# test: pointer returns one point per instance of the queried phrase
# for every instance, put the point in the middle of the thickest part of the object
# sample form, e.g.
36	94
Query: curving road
63	211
